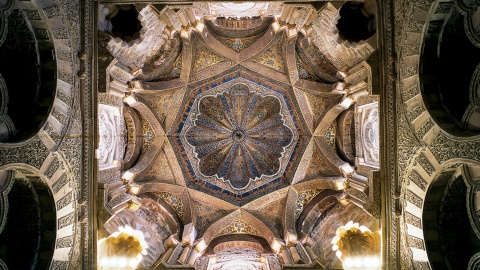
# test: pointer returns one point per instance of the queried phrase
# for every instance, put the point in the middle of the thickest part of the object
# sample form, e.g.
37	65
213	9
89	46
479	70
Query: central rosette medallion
239	135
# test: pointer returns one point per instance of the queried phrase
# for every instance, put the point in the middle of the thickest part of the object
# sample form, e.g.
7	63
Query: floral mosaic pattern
239	136
205	58
238	44
272	58
304	73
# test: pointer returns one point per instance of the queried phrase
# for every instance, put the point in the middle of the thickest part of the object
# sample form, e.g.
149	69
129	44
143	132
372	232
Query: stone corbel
281	23
189	234
307	28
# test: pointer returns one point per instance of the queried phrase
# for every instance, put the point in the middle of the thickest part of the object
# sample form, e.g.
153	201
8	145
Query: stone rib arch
424	72
157	145
33	50
183	208
58	180
215	229
420	180
312	58
325	35
56	103
317	208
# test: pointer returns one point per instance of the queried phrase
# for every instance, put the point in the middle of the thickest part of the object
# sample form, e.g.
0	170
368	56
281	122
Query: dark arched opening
125	22
28	239
450	239
447	65
29	71
356	22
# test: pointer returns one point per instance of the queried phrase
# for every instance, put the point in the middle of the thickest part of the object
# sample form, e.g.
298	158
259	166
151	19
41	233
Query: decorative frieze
65	242
419	181
60	33
52	169
408	71
59	183
414	113
422	161
413	220
411	49
410	93
66	220
32	14
414	199
422	131
415	26
64	201
59	265
52	11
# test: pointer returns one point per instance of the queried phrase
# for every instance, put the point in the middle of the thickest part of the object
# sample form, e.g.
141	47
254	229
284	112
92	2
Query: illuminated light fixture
123	249
346	102
133	188
357	247
127	176
213	260
130	99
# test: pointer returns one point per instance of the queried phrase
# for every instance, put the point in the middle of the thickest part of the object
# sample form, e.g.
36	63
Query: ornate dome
239	136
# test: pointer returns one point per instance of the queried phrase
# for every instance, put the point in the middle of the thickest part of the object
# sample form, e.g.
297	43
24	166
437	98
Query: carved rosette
239	136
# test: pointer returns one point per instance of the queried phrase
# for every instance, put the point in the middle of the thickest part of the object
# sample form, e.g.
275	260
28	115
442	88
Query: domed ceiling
239	135
231	118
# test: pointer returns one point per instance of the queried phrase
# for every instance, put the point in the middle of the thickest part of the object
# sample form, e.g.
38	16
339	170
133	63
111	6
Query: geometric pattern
239	136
